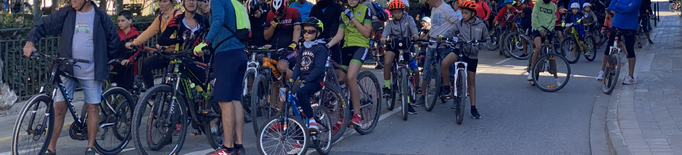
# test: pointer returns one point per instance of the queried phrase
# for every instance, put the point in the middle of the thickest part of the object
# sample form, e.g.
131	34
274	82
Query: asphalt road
517	118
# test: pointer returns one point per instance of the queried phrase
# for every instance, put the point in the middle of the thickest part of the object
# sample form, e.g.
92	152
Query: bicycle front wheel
338	108
611	74
33	128
404	93
432	88
591	47
553	72
280	136
323	140
567	48
260	102
461	96
115	121
247	85
155	126
515	46
370	106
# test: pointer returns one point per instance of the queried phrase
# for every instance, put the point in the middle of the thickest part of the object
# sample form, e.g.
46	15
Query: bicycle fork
464	81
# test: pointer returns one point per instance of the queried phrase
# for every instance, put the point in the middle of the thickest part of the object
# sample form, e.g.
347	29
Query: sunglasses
309	31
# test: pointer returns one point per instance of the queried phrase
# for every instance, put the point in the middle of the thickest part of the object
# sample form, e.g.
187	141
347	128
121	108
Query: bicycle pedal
313	133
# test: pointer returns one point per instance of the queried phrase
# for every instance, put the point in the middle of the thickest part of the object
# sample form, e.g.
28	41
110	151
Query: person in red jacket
506	16
127	69
482	9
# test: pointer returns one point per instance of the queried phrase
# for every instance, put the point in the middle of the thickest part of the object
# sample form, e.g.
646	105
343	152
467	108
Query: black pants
629	40
304	94
159	62
123	77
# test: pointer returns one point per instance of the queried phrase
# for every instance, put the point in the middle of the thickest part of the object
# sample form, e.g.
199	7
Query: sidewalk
646	118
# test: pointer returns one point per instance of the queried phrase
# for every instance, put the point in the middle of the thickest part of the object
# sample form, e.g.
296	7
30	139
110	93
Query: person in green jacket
542	19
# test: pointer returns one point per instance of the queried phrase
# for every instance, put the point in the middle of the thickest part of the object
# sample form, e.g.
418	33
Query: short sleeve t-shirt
442	18
83	45
284	32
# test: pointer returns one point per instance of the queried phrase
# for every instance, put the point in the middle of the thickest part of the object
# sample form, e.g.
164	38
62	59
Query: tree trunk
119	6
37	14
103	5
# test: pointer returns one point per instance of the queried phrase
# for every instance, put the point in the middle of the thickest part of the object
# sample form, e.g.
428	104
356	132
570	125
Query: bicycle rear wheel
323	138
553	72
461	96
249	78
338	109
34	126
151	129
370	99
611	74
515	46
403	92
275	139
260	102
115	121
567	47
433	90
591	47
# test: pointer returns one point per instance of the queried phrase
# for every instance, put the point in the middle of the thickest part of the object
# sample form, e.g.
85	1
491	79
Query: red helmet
279	7
396	4
471	5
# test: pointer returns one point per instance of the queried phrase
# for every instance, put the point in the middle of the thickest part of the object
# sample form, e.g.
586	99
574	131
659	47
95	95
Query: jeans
304	94
442	52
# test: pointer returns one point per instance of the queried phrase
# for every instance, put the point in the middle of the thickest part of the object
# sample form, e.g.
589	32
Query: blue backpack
380	13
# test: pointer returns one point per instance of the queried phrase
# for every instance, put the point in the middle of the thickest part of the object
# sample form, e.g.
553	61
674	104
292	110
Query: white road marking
503	61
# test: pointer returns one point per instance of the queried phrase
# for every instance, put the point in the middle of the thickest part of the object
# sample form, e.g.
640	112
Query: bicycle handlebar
36	55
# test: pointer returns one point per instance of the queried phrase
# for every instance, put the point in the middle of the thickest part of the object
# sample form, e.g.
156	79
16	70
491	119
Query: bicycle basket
400	43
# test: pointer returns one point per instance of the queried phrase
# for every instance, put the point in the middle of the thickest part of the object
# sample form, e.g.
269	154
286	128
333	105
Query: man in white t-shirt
442	17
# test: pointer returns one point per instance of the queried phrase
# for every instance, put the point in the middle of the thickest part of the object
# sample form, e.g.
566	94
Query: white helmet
587	4
575	5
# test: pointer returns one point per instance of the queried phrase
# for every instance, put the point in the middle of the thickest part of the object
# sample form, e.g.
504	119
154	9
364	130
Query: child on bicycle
125	71
576	17
506	16
310	67
590	20
400	26
468	29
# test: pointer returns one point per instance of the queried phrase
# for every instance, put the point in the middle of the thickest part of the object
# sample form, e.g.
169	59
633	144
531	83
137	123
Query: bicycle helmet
312	21
587	4
279	7
508	1
426	19
575	6
471	5
396	5
252	6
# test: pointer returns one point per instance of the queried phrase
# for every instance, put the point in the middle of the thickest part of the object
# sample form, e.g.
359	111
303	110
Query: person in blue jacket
575	20
303	7
626	21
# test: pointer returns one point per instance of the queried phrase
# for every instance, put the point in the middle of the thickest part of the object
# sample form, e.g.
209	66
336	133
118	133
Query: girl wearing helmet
282	30
400	26
310	68
469	28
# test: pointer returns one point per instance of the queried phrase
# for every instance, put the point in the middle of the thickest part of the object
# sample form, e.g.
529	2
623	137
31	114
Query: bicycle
571	42
461	89
403	84
265	71
494	36
375	46
674	6
180	99
433	79
515	46
294	128
612	70
547	61
38	132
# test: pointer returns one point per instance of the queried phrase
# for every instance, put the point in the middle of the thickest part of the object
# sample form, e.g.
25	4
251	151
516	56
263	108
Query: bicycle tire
33	104
514	53
260	102
247	86
122	115
404	93
215	139
461	97
539	66
611	74
373	105
293	124
390	101
503	47
341	114
592	47
323	142
567	47
494	38
432	92
140	110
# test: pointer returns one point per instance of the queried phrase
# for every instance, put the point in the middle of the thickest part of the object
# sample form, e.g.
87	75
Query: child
309	70
590	19
525	10
468	29
505	15
126	70
575	17
400	26
607	22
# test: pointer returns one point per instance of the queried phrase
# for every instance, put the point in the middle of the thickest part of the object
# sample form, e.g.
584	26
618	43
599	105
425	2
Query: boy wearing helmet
310	68
576	17
590	19
468	29
282	30
505	16
257	10
400	26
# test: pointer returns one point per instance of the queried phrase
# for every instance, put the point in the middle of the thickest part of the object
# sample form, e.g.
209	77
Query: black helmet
252	6
312	21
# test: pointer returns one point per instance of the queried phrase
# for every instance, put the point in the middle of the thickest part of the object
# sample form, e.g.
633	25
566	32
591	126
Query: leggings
304	94
629	39
159	62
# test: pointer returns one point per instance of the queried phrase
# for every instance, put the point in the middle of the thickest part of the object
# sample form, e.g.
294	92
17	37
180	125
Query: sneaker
223	151
557	84
419	103
356	120
90	151
337	126
445	91
48	152
411	110
379	67
629	80
387	92
312	127
474	113
530	76
177	130
296	149
600	76
588	53
524	55
239	151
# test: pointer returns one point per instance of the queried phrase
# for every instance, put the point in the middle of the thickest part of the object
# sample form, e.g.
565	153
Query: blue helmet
508	1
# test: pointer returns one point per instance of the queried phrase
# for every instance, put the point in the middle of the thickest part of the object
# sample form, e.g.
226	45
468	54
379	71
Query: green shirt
543	15
351	34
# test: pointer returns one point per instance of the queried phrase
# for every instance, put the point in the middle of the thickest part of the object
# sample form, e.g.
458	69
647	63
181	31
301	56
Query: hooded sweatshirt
544	15
627	13
405	27
468	32
310	65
